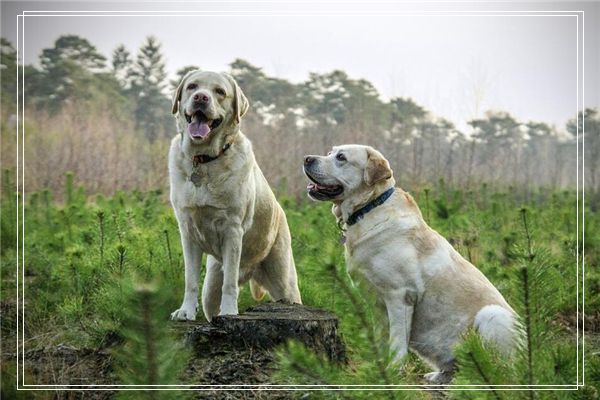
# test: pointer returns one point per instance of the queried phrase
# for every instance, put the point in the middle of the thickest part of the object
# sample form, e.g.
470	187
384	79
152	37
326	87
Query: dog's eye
329	153
340	157
192	86
220	91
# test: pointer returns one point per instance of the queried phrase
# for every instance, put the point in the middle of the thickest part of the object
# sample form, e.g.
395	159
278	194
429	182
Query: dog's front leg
232	251
192	258
400	307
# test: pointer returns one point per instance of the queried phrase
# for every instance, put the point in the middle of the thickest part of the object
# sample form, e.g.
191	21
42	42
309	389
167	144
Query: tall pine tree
8	73
148	82
68	71
121	66
73	49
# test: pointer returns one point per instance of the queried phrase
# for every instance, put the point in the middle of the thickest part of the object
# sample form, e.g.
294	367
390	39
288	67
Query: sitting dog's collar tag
340	225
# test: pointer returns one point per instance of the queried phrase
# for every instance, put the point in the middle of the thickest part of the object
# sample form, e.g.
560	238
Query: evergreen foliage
545	356
85	254
150	354
8	74
121	66
148	83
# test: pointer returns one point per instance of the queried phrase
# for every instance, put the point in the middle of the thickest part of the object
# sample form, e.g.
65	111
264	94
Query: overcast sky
454	63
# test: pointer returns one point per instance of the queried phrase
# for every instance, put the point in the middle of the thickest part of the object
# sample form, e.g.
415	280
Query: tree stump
267	325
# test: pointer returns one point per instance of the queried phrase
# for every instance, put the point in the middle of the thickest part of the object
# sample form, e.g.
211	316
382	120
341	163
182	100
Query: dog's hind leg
212	288
277	272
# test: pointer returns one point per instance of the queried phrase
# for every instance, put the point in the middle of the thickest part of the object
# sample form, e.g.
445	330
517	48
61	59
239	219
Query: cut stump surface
267	325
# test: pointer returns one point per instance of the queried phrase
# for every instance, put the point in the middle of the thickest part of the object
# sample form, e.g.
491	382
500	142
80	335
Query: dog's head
347	171
206	103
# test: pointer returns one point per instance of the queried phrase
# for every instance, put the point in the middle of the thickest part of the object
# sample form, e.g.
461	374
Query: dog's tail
499	325
258	292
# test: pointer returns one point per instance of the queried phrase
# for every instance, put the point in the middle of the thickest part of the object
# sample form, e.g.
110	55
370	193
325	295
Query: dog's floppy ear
177	93
377	169
240	102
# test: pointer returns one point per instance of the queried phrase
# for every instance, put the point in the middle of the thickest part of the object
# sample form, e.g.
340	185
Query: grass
82	255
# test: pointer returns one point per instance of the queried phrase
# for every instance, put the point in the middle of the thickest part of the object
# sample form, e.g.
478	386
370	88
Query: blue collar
359	214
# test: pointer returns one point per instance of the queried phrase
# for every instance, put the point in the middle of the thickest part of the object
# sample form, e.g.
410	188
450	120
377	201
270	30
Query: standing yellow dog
223	203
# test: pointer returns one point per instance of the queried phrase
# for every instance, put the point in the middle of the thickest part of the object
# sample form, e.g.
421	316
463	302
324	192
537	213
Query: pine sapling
168	242
150	355
47	197
121	251
426	191
481	372
526	300
372	362
100	215
69	188
378	356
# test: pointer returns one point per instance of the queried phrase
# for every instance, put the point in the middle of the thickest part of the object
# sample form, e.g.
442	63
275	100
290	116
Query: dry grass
104	152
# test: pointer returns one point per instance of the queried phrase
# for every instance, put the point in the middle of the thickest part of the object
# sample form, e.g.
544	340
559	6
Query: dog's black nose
308	160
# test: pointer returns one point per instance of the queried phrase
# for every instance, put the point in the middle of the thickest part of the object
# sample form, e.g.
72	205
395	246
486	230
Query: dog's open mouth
200	125
320	191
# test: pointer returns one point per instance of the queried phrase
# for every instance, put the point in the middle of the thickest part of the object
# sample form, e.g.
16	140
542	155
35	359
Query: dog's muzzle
200	126
316	189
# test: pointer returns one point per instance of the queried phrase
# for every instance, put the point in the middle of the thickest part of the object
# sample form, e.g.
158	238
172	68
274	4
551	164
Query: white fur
496	324
230	213
431	293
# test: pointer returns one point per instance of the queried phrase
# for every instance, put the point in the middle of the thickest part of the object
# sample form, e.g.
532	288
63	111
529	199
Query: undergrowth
85	257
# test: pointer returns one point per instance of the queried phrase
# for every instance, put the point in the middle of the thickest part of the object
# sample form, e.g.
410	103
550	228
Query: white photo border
20	132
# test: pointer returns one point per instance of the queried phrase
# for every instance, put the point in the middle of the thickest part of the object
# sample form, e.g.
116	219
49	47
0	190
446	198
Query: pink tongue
199	129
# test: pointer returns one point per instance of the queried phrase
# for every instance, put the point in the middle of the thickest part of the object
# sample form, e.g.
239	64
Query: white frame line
582	201
300	15
21	24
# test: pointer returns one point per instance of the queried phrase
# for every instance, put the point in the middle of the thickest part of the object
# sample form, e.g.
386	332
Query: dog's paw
229	309
184	314
439	378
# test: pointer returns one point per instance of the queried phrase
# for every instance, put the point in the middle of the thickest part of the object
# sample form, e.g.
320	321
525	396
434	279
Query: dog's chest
206	226
208	208
199	187
385	260
198	194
